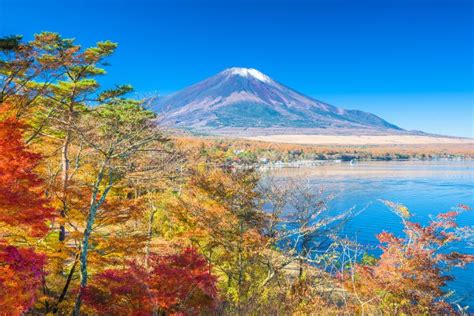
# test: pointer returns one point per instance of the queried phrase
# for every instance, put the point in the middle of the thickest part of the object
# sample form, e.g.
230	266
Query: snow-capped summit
248	72
245	98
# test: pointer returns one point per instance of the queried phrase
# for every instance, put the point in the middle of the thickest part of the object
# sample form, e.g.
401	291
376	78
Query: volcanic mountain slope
244	100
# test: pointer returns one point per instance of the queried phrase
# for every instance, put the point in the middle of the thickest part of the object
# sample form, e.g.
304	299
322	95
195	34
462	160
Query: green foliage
9	43
368	260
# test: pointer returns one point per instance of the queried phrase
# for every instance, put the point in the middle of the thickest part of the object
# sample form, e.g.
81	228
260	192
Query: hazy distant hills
246	101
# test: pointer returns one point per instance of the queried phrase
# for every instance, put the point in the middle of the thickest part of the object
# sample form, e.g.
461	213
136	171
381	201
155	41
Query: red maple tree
22	202
21	275
175	284
410	276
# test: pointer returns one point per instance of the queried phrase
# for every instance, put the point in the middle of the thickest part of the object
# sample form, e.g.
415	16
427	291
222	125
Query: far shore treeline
104	212
257	153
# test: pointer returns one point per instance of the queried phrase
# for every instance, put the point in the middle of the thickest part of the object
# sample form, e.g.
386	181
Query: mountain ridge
242	99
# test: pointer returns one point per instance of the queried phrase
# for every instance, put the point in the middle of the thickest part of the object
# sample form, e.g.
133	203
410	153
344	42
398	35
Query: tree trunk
94	206
83	258
64	180
150	234
240	264
66	286
303	254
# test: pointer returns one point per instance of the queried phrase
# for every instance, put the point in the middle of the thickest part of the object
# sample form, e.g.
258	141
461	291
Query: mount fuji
244	101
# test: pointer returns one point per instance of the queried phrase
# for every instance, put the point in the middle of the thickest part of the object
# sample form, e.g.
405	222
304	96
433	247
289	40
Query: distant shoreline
304	139
297	164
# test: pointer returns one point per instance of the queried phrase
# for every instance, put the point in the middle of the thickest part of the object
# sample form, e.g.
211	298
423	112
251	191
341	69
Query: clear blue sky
408	61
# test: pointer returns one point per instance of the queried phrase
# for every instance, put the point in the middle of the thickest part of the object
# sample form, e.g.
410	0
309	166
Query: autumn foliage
22	205
22	201
175	284
410	276
21	275
103	213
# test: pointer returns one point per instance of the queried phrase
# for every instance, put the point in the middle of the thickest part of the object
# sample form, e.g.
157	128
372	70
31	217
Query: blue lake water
425	187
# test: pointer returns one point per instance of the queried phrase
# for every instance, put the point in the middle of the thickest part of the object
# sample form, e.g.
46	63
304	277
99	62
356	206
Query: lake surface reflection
425	187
